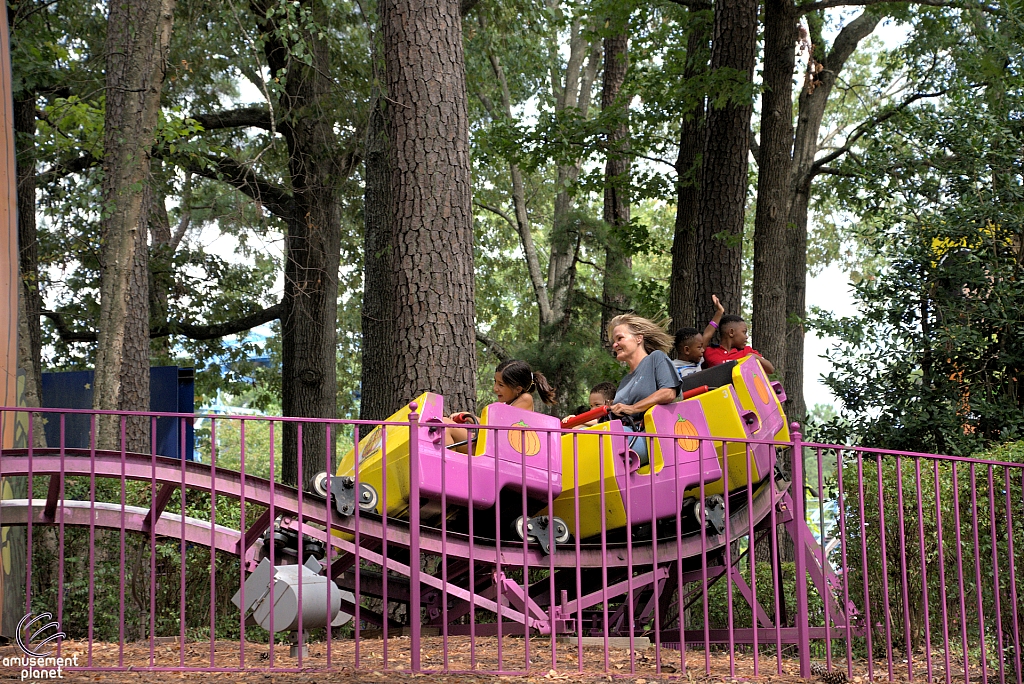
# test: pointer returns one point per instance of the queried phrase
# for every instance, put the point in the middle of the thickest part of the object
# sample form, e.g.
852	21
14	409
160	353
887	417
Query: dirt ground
468	663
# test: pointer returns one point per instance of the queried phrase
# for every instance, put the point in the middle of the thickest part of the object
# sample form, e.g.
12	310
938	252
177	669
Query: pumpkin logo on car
525	442
761	389
688	432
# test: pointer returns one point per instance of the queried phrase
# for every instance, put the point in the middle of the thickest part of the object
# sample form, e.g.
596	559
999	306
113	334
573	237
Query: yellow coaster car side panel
721	409
594	445
763	389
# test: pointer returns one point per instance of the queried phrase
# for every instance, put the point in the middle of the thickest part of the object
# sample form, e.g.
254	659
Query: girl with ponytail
515	381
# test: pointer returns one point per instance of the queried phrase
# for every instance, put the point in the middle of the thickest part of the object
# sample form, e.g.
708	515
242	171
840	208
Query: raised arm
712	325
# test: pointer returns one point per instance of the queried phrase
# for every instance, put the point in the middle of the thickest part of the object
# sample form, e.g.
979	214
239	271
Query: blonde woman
641	345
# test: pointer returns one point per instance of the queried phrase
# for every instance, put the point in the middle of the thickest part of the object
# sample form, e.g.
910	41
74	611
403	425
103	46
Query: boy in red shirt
733	333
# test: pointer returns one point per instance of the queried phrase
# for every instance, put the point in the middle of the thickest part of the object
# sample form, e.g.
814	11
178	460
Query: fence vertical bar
213	543
28	537
869	628
996	587
846	572
60	528
679	547
472	566
656	596
272	514
776	574
885	567
942	570
748	454
152	538
704	565
977	572
414	538
903	569
121	540
826	590
960	572
241	579
358	571
1013	574
92	536
629	558
384	542
802	617
300	482
444	551
576	541
551	557
604	548
327	538
182	551
727	547
924	572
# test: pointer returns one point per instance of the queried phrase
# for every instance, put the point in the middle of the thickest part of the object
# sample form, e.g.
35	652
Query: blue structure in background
171	390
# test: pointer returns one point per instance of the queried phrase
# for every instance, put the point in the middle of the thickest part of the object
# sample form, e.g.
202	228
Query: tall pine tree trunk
683	307
316	167
138	36
428	126
378	400
775	163
618	264
723	189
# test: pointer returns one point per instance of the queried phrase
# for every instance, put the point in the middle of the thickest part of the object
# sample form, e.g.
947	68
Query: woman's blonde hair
654	335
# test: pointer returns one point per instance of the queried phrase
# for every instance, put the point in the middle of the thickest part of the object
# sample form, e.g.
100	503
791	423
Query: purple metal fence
532	548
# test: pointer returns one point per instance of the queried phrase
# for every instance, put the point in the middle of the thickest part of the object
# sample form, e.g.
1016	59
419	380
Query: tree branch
864	127
493	346
497	211
274	197
826	4
66	168
243	117
193	332
693	4
466	6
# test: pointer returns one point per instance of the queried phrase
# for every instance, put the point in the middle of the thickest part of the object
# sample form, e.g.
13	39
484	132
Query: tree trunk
161	254
135	364
775	163
723	189
313	241
378	400
28	250
428	126
683	307
138	35
810	112
618	264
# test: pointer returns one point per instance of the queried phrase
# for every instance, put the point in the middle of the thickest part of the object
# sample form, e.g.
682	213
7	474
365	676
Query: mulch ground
467	663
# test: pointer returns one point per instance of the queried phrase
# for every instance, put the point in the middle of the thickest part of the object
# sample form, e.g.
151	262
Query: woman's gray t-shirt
655	372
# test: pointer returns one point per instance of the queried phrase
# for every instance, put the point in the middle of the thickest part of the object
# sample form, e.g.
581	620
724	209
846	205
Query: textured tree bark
428	126
810	112
28	244
775	164
135	364
723	188
683	307
618	264
378	401
138	35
